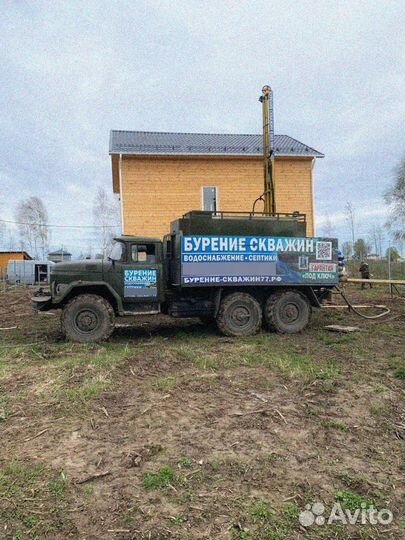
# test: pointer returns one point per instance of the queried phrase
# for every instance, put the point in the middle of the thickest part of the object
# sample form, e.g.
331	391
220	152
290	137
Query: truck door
142	277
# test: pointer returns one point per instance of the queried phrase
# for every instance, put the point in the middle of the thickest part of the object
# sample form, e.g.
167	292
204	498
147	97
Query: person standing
365	274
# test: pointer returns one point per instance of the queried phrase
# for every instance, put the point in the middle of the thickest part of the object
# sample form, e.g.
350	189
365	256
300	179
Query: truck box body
224	249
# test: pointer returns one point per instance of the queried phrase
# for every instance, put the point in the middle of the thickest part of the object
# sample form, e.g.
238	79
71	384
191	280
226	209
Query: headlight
60	288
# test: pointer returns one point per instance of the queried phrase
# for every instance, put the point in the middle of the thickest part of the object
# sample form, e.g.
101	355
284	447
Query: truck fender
90	285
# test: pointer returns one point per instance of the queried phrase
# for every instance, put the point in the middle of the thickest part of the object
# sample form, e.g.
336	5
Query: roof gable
160	143
16	252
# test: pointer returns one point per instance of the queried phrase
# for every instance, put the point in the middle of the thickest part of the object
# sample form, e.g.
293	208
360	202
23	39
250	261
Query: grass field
379	269
171	431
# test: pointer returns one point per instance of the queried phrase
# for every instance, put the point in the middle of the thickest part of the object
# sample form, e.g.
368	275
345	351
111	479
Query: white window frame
216	197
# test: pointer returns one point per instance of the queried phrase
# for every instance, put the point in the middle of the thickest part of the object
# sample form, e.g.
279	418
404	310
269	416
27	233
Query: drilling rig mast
268	195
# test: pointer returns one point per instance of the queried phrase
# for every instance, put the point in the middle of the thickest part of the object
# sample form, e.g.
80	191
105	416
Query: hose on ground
352	308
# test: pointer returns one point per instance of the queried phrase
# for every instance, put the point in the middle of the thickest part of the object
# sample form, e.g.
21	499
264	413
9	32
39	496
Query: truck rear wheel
287	312
239	315
88	318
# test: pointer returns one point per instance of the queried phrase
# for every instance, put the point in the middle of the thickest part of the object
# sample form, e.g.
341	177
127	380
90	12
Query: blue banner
258	259
140	283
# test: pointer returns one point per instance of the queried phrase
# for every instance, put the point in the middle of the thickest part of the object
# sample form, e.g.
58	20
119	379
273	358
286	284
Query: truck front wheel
287	312
239	315
88	318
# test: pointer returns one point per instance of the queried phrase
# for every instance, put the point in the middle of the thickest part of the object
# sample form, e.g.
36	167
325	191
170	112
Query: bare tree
347	248
350	215
32	218
3	230
376	236
11	243
327	228
106	218
395	198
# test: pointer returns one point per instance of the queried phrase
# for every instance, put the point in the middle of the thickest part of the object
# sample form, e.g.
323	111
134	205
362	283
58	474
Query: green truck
236	269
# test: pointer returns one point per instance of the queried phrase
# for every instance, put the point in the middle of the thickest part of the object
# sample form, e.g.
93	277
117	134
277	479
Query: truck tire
239	315
287	312
88	318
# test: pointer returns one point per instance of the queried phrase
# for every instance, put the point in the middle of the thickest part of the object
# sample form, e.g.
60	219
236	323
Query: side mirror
116	253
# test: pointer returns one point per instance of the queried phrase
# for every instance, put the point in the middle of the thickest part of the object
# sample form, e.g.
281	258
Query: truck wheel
287	312
87	318
239	315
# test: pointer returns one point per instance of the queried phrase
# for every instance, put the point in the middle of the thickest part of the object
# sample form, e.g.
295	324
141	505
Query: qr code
323	251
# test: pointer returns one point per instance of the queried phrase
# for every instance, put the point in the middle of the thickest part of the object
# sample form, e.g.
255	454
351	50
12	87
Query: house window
210	199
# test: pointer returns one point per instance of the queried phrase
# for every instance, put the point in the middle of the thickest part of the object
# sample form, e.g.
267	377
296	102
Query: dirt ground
171	431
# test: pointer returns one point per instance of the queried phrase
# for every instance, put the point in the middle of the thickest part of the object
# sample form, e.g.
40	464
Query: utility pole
389	267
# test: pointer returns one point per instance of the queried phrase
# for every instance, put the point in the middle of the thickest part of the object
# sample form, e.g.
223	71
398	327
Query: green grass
261	511
3	406
352	501
397	364
303	366
263	522
292	364
79	378
333	424
17	476
379	269
380	409
33	499
185	462
58	487
162	479
165	384
261	351
399	373
79	396
196	357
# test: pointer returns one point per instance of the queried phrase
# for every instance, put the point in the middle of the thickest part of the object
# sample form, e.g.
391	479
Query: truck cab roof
140	239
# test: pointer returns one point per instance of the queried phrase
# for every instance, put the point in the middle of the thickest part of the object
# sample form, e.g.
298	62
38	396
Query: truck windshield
116	251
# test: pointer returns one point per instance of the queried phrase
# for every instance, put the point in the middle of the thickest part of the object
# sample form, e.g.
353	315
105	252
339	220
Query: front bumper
42	301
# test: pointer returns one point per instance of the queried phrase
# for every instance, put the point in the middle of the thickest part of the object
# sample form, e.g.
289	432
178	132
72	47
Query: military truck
235	269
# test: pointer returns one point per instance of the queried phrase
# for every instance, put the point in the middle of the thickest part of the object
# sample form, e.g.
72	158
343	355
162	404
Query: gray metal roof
59	252
159	143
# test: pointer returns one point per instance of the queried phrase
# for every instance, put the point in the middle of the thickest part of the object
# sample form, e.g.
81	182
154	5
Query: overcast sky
73	70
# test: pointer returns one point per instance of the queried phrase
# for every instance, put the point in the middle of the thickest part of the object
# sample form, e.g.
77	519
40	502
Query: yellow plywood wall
157	190
9	256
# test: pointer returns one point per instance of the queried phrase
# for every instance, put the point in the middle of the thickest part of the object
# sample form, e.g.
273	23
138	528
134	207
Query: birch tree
327	228
395	198
3	230
33	228
106	218
376	236
350	216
